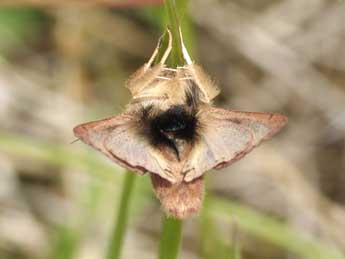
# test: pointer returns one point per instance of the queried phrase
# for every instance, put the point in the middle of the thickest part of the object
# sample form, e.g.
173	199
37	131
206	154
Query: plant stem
177	57
172	228
170	238
118	234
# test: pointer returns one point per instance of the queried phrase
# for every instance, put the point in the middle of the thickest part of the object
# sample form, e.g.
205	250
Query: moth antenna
75	141
185	53
168	50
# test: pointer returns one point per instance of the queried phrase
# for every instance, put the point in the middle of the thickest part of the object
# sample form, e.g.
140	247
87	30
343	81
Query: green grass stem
253	222
174	24
118	233
170	238
172	228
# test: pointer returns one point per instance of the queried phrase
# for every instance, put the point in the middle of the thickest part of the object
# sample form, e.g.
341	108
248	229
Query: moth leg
163	78
185	53
145	75
168	50
170	69
189	170
168	172
186	78
155	52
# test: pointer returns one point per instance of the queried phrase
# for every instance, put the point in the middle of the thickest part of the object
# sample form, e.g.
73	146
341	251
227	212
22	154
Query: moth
172	131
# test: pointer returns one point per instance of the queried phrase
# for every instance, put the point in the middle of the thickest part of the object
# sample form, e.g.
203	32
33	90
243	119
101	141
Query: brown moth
172	131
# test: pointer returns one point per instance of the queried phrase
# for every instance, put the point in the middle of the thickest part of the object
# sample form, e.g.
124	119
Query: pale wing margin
116	138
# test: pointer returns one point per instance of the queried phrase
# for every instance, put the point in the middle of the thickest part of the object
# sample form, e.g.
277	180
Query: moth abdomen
179	200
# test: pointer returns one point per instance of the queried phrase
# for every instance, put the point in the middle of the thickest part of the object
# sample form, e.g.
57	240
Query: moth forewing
263	124
208	89
221	141
228	136
94	132
169	170
153	92
110	134
143	78
148	73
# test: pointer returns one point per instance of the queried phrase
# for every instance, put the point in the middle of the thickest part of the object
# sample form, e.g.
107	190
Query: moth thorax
174	130
168	73
176	123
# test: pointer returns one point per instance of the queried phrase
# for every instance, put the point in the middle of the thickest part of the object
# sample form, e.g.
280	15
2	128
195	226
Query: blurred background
64	64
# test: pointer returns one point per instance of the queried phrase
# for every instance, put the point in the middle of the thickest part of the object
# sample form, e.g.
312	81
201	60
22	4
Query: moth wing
143	78
263	124
116	137
207	87
228	136
220	141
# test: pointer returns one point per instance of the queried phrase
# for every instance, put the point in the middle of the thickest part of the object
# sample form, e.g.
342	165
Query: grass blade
170	238
118	234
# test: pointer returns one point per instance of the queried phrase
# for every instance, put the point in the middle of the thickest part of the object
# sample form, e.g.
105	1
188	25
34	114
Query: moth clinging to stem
172	131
